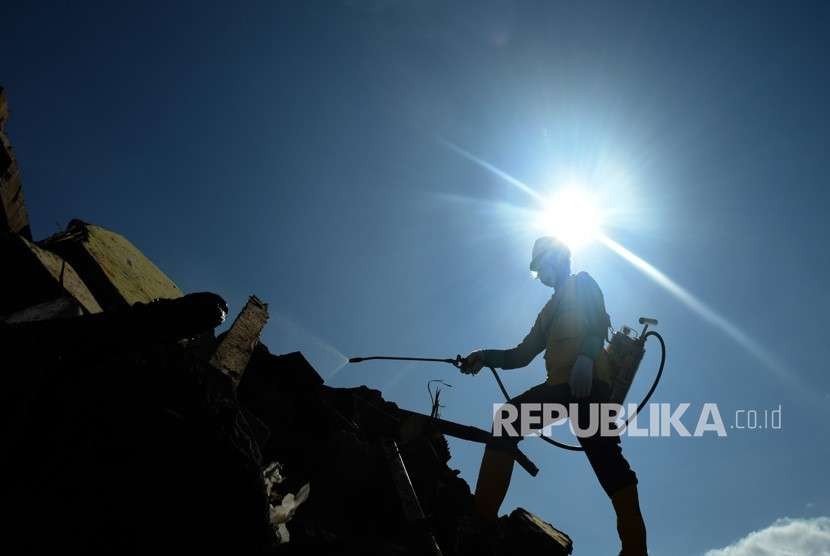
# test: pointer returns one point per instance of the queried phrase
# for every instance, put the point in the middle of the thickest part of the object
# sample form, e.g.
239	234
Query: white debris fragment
273	476
281	511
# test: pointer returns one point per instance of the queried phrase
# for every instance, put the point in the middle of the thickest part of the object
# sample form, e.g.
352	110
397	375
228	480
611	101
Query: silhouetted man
571	330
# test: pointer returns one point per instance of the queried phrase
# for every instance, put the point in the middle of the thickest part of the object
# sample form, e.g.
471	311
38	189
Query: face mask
547	274
548	269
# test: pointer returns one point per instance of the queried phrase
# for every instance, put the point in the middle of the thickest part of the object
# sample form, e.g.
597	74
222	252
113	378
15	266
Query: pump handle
646	321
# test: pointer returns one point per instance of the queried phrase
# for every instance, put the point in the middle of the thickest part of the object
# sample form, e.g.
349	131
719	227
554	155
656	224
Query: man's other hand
582	375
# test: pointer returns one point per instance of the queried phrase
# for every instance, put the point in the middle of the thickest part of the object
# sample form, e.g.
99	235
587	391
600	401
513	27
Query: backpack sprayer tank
625	352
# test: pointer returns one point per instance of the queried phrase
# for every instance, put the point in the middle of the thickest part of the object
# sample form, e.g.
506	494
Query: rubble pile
131	427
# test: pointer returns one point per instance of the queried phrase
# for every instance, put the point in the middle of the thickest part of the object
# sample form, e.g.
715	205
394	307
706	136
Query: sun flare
572	215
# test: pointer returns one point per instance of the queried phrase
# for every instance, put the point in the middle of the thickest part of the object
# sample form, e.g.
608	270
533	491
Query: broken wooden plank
530	534
34	276
13	215
411	506
473	434
237	346
60	308
4	108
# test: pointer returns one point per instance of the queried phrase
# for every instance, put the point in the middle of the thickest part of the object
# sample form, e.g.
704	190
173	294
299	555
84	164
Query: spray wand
626	352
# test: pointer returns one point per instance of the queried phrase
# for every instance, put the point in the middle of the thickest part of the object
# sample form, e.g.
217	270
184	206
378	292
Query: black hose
654	384
640	406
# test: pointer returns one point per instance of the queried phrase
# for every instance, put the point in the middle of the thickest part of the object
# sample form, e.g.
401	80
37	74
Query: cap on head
545	245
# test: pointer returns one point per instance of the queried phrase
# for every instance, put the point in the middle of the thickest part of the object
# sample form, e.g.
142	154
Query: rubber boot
493	481
630	524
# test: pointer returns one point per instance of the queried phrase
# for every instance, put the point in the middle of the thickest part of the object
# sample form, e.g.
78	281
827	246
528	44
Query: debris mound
131	427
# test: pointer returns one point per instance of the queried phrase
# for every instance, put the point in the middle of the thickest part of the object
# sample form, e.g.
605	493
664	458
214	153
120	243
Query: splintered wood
13	215
234	352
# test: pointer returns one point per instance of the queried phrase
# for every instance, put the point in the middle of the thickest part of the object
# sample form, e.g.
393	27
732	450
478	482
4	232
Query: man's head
551	261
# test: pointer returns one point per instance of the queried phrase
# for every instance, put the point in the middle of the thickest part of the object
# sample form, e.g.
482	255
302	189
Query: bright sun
572	215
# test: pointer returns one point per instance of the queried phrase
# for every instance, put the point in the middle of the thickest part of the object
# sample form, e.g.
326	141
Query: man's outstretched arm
516	357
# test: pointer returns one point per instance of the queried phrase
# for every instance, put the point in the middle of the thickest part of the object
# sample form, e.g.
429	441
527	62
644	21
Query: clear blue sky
296	151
